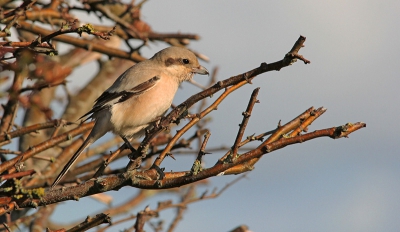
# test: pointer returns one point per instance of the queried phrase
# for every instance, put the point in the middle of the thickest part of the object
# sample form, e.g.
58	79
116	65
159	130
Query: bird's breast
135	114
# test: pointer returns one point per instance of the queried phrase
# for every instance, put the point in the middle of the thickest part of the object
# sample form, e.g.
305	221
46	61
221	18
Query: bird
137	98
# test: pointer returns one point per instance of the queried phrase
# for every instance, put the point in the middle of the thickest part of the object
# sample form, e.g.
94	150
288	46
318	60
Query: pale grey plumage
139	96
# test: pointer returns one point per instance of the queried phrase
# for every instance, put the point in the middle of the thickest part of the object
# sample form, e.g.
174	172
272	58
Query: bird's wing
109	98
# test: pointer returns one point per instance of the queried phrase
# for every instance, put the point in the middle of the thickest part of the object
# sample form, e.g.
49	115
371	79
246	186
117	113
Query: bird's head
180	62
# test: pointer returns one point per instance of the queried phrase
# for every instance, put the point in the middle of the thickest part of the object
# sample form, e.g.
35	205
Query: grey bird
139	97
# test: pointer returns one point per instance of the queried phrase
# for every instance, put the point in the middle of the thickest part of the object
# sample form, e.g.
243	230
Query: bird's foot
160	171
157	122
128	144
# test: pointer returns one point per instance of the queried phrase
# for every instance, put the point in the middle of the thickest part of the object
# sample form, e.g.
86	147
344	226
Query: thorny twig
242	126
91	222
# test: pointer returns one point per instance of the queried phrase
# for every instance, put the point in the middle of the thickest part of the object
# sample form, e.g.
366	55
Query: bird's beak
200	70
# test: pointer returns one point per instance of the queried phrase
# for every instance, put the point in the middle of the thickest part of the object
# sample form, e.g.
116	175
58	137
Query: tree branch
246	117
82	43
43	146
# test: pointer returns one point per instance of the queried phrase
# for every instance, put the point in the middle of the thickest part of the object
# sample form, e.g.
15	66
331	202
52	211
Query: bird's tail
85	144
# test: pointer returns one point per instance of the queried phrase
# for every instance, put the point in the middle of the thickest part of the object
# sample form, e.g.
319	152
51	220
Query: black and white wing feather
107	99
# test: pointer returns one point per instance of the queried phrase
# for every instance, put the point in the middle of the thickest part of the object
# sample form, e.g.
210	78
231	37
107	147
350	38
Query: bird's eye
185	61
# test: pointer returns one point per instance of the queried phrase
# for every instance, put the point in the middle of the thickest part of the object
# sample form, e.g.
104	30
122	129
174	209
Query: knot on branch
264	66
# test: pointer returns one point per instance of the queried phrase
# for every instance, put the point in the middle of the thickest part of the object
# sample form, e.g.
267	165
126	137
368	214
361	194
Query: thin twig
180	210
17	175
12	105
303	127
33	128
17	13
82	43
40	86
106	162
45	145
91	222
246	116
196	167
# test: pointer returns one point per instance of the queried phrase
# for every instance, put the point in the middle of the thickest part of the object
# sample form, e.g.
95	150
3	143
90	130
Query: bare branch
86	44
196	167
45	145
17	175
33	128
246	117
91	222
12	105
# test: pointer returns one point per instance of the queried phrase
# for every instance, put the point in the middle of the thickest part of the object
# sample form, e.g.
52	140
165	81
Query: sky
348	184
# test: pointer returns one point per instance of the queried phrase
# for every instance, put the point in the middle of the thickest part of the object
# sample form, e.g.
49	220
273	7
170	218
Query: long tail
85	144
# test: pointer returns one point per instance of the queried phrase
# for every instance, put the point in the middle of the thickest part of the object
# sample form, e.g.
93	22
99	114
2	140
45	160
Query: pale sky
321	185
